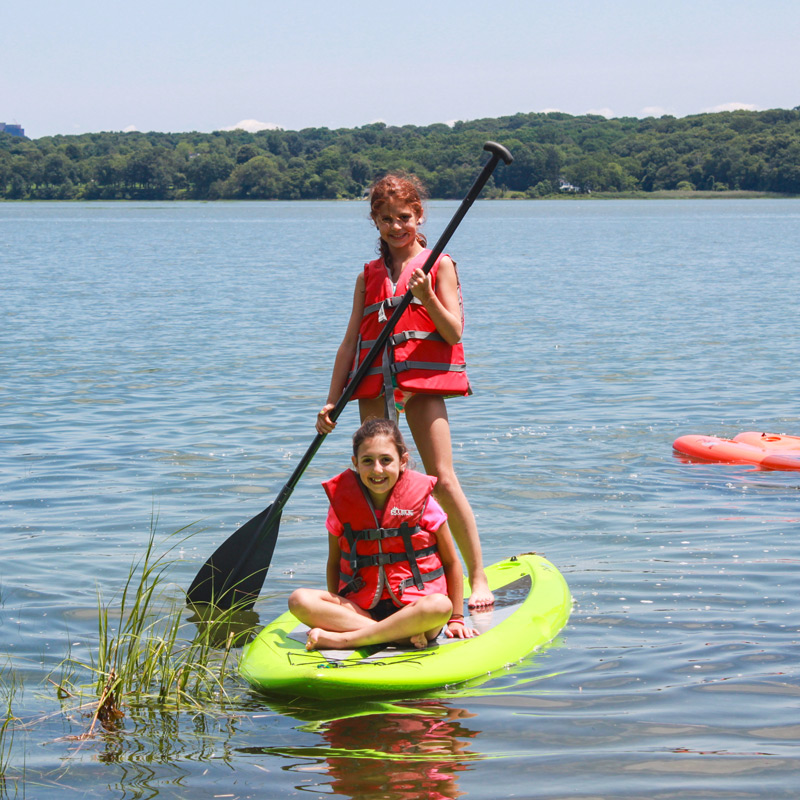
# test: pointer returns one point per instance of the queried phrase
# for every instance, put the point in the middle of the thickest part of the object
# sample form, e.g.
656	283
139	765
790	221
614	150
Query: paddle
235	573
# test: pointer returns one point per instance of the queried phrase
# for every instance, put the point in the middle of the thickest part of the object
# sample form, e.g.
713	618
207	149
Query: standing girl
423	362
393	574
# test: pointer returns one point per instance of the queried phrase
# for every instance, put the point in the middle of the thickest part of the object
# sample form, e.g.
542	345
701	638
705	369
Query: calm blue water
167	360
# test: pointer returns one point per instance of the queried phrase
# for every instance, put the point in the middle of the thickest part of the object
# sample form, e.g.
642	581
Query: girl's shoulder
447	263
434	515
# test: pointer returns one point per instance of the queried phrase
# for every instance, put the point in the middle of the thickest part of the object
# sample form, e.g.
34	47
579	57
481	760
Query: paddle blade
235	573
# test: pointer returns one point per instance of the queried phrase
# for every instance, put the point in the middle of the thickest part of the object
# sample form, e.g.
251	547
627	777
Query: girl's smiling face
397	223
379	465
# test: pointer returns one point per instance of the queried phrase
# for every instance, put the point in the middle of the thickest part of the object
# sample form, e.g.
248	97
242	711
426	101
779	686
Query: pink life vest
393	553
416	357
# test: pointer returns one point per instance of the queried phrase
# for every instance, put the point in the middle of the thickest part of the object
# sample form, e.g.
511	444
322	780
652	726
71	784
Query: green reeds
8	688
148	654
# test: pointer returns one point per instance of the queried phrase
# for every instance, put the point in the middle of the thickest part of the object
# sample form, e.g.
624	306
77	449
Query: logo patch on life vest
400	512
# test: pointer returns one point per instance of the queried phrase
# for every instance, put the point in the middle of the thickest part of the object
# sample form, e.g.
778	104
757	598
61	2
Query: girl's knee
447	484
299	599
438	604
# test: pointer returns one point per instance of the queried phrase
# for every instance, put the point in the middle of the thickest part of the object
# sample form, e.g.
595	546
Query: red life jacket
393	553
416	357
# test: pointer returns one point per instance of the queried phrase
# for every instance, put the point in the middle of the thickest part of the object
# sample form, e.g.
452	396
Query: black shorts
382	609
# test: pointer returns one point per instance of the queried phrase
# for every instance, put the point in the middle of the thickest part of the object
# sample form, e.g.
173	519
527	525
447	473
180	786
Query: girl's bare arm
345	356
332	568
455	583
443	305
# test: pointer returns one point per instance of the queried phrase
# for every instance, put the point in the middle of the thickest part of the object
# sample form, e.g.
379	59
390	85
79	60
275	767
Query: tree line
554	152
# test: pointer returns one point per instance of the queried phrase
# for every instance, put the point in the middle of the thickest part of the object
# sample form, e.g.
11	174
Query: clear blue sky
72	66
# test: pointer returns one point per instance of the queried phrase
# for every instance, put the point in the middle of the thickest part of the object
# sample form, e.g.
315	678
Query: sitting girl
393	574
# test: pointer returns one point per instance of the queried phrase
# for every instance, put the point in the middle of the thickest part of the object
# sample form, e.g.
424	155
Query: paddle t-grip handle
498	150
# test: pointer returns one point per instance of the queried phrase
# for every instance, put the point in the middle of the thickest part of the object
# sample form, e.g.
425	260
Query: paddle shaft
498	153
241	581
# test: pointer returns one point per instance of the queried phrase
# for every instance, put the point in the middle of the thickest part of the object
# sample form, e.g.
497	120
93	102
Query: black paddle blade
235	573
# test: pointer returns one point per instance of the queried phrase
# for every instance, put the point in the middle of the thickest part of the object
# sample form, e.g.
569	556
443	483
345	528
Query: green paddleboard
532	604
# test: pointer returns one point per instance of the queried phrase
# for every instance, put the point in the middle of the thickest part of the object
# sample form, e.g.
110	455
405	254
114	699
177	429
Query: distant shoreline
661	194
658	194
686	194
741	154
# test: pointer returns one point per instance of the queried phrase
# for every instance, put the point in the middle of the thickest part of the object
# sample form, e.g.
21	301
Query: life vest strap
402	366
405	336
382	559
402	337
389	302
411	556
357	582
357	561
373	534
428	576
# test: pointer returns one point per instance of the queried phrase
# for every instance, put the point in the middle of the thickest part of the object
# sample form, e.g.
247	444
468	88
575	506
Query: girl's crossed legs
338	623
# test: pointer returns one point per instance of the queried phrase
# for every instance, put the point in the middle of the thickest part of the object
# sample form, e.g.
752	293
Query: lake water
166	361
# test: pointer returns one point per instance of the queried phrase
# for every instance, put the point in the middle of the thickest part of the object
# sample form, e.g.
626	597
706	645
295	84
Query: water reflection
223	629
412	750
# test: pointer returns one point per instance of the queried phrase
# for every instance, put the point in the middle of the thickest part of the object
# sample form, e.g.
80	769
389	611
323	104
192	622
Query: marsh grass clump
150	654
8	690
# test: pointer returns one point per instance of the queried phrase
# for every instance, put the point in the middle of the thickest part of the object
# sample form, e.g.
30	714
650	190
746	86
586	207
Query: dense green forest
739	150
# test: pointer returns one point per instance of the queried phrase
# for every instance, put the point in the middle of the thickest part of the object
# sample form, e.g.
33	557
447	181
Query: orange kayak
768	450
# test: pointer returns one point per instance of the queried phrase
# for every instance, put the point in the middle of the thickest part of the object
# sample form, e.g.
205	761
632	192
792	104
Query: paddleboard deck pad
532	604
768	450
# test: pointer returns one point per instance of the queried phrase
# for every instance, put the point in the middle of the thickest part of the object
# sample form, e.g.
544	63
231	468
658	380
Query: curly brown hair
407	189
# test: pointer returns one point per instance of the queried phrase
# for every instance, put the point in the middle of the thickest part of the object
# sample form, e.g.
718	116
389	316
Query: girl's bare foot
311	639
419	640
481	596
319	639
